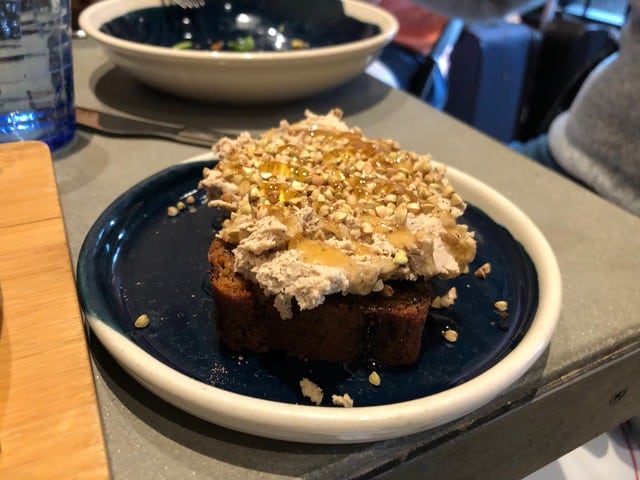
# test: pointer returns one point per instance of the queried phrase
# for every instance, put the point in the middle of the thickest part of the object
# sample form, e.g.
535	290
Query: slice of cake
331	242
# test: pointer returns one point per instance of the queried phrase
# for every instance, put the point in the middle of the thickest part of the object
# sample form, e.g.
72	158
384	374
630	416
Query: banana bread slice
385	326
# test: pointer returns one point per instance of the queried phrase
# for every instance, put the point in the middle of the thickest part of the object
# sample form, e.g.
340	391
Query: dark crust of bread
345	328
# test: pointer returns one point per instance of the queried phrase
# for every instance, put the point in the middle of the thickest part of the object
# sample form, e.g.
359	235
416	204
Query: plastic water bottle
36	76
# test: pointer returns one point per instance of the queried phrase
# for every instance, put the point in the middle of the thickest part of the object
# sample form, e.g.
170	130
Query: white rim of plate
95	15
334	425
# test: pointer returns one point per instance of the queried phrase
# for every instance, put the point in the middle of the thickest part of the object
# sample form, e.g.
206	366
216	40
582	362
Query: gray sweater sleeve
478	9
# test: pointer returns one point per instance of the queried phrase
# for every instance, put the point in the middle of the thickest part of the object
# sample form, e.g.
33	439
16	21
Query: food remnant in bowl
172	211
374	379
298	44
243	44
183	45
217	46
240	44
312	391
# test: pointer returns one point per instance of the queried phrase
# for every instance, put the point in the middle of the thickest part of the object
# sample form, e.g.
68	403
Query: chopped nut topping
181	206
388	213
307	164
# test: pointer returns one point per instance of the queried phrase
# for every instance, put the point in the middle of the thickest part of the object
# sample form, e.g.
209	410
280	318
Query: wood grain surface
49	422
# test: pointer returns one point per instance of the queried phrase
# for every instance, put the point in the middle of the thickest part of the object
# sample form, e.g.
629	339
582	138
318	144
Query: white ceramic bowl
239	77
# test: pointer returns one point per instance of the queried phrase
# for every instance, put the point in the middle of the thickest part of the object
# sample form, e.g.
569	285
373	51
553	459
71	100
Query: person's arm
478	9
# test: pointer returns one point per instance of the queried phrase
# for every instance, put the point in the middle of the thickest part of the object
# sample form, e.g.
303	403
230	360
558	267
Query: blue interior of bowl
242	25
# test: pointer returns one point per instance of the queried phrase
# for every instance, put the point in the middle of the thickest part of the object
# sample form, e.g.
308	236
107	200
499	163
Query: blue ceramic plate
136	259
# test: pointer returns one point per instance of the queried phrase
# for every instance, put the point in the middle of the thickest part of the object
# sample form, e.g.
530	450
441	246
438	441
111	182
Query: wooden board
49	421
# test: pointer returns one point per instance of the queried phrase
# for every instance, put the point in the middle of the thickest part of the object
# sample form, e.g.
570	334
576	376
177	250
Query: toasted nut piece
254	193
298	186
172	211
382	211
400	257
387	291
329	194
366	227
142	321
456	200
501	305
450	335
483	270
190	200
413	207
244	208
446	300
423	165
399	177
374	379
339	216
447	191
324	210
401	214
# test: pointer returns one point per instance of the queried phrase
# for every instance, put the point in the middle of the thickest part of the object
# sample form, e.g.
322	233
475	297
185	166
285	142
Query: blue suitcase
489	79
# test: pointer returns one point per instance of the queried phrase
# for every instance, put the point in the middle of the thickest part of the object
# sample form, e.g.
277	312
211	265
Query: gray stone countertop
596	245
